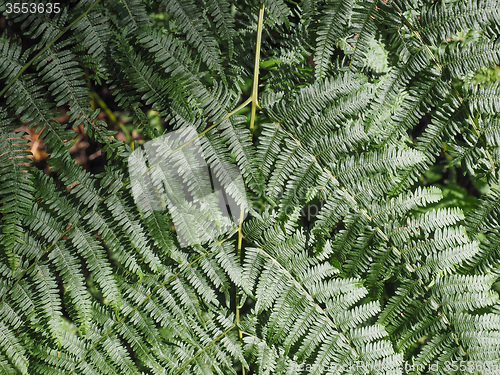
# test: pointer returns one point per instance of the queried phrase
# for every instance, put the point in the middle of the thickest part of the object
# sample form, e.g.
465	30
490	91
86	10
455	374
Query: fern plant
347	257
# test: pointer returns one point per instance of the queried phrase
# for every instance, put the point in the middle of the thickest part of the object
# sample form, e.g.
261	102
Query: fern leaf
15	189
132	14
221	14
459	60
332	23
364	27
441	21
196	31
93	31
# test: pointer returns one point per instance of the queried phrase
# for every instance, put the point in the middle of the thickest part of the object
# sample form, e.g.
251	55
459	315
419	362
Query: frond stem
255	87
237	297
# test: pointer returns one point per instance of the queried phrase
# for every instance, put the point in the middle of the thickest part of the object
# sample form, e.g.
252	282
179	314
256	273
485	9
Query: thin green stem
58	36
237	299
254	97
255	87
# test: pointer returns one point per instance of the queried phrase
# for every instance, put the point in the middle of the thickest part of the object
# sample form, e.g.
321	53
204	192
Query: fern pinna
367	136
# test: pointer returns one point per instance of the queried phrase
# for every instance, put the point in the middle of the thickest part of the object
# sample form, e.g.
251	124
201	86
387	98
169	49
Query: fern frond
10	342
410	64
389	160
235	135
68	267
175	60
484	98
196	31
221	14
443	126
278	12
459	60
285	278
132	14
441	21
312	99
364	27
60	70
358	256
333	20
48	302
486	216
16	186
418	101
94	32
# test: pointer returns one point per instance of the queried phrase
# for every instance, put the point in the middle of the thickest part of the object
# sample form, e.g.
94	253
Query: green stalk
255	87
254	99
240	240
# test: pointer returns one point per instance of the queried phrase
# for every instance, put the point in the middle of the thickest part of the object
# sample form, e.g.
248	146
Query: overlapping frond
312	241
196	30
333	19
441	21
363	24
313	319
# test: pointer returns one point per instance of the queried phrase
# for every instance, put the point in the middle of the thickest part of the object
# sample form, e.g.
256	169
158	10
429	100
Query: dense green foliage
370	150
